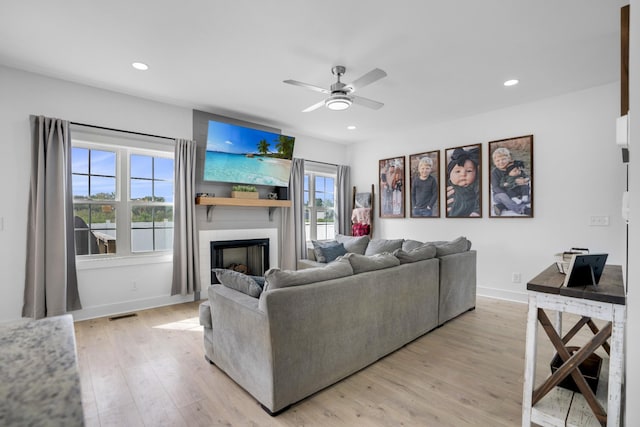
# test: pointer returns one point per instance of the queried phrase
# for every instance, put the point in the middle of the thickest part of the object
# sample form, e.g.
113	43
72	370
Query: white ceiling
444	59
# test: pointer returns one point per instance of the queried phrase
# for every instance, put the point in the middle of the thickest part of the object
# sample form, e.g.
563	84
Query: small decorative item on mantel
244	192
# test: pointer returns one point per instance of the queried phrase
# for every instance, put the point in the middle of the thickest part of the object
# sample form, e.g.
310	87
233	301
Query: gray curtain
292	234
186	262
51	283
343	213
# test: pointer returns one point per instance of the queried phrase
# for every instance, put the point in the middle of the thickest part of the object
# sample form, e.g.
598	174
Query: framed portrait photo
424	185
391	178
463	178
511	178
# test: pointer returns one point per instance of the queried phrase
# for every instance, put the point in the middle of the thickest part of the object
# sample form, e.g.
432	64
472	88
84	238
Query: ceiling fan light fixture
338	102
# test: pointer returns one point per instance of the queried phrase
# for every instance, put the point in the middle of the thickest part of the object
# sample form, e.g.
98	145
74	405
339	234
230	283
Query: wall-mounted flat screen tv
242	155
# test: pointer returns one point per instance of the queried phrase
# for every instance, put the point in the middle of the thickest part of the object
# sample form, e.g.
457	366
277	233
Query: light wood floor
150	370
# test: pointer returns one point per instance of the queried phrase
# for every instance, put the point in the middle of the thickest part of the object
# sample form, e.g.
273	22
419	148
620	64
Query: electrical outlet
134	286
599	221
516	277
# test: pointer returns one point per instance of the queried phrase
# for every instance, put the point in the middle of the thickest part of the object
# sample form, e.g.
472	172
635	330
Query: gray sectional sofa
312	327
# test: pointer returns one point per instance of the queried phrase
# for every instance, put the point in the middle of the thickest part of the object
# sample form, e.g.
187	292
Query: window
122	196
319	202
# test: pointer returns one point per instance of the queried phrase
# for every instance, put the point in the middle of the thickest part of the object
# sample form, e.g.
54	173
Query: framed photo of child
424	188
511	179
391	178
462	181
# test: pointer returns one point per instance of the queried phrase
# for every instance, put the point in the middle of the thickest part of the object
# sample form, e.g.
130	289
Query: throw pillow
362	263
238	281
461	244
355	244
276	278
327	251
259	281
378	246
420	253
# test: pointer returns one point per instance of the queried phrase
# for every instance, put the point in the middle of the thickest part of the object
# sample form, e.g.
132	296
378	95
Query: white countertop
39	379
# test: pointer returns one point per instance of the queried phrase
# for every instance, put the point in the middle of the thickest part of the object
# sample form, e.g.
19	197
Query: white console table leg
530	360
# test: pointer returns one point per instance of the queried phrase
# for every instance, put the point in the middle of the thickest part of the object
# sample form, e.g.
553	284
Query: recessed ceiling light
511	82
351	127
140	66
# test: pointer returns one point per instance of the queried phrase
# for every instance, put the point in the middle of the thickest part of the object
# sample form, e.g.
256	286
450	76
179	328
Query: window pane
80	186
163	191
142	240
306	198
306	182
141	217
163	217
103	218
319	184
141	189
163	239
81	229
79	160
141	166
102	188
163	169
103	229
103	163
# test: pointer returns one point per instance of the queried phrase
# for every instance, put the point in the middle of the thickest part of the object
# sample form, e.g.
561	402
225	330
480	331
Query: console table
548	405
39	379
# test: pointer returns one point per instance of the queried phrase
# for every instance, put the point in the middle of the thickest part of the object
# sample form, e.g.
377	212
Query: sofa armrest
205	314
241	340
457	285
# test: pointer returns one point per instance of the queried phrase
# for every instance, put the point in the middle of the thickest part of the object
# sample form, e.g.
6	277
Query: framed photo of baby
462	181
511	179
424	179
391	178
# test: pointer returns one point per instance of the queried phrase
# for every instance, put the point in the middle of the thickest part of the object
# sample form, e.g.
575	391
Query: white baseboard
515	296
131	306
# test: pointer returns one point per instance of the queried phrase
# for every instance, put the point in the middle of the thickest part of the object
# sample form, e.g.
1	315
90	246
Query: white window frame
312	170
124	145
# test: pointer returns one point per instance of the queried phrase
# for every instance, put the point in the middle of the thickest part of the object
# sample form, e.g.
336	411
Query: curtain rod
124	131
322	163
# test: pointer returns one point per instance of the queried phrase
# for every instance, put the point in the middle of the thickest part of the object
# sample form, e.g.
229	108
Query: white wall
578	173
104	290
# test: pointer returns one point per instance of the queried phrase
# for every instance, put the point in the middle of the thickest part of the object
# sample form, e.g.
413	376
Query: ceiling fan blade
308	86
372	76
366	102
314	107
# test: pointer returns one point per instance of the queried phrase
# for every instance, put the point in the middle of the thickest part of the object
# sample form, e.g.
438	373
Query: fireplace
207	236
249	256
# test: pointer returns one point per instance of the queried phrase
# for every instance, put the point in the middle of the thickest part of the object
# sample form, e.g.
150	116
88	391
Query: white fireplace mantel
207	236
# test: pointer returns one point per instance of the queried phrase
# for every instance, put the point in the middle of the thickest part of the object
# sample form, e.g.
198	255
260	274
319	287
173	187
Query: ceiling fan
340	94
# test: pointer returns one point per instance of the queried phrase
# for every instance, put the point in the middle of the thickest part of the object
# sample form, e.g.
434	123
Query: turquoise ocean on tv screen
238	168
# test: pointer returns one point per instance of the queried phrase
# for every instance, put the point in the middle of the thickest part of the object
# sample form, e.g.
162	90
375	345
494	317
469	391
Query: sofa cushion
362	263
327	251
461	244
378	246
355	244
409	244
238	281
276	278
420	253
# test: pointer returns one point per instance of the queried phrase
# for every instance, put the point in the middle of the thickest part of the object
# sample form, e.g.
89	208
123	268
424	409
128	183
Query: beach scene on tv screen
239	154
